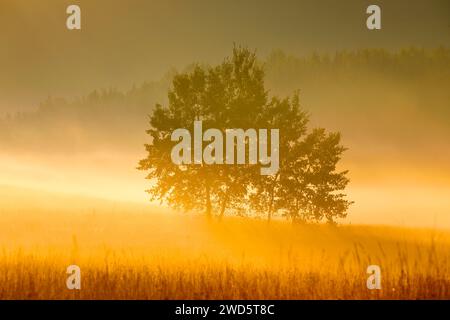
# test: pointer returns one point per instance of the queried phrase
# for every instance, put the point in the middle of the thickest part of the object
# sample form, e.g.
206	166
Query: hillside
157	255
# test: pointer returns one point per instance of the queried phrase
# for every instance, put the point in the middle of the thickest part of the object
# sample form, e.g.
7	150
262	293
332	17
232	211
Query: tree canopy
307	186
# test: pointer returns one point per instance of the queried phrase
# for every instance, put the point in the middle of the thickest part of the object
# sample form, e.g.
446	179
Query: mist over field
391	108
86	116
137	251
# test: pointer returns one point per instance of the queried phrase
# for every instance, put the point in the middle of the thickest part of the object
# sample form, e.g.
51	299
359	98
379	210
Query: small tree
307	186
311	188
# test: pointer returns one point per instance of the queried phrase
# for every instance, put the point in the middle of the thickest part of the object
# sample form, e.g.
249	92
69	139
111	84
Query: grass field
137	252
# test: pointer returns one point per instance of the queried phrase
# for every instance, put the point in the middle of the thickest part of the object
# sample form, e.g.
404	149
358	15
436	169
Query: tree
266	191
310	188
306	188
232	95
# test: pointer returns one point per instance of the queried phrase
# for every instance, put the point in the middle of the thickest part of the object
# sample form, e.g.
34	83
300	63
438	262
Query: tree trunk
272	195
223	206
208	202
269	213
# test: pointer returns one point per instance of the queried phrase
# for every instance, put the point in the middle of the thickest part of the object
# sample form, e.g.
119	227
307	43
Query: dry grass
127	252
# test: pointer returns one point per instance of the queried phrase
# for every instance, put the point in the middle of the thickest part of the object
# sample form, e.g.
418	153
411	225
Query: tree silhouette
232	95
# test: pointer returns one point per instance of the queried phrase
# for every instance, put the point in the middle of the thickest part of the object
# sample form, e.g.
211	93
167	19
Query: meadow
131	251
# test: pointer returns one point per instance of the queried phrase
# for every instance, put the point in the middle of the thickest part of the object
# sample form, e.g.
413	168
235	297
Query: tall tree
232	95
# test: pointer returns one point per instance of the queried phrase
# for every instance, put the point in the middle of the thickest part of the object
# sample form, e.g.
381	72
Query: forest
411	83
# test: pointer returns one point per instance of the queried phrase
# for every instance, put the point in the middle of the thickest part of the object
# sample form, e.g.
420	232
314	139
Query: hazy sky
125	42
122	42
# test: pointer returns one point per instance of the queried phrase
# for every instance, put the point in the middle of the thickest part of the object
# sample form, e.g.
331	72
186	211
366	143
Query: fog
74	106
391	108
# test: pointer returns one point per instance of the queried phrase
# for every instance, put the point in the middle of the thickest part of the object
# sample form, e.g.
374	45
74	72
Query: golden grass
128	252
